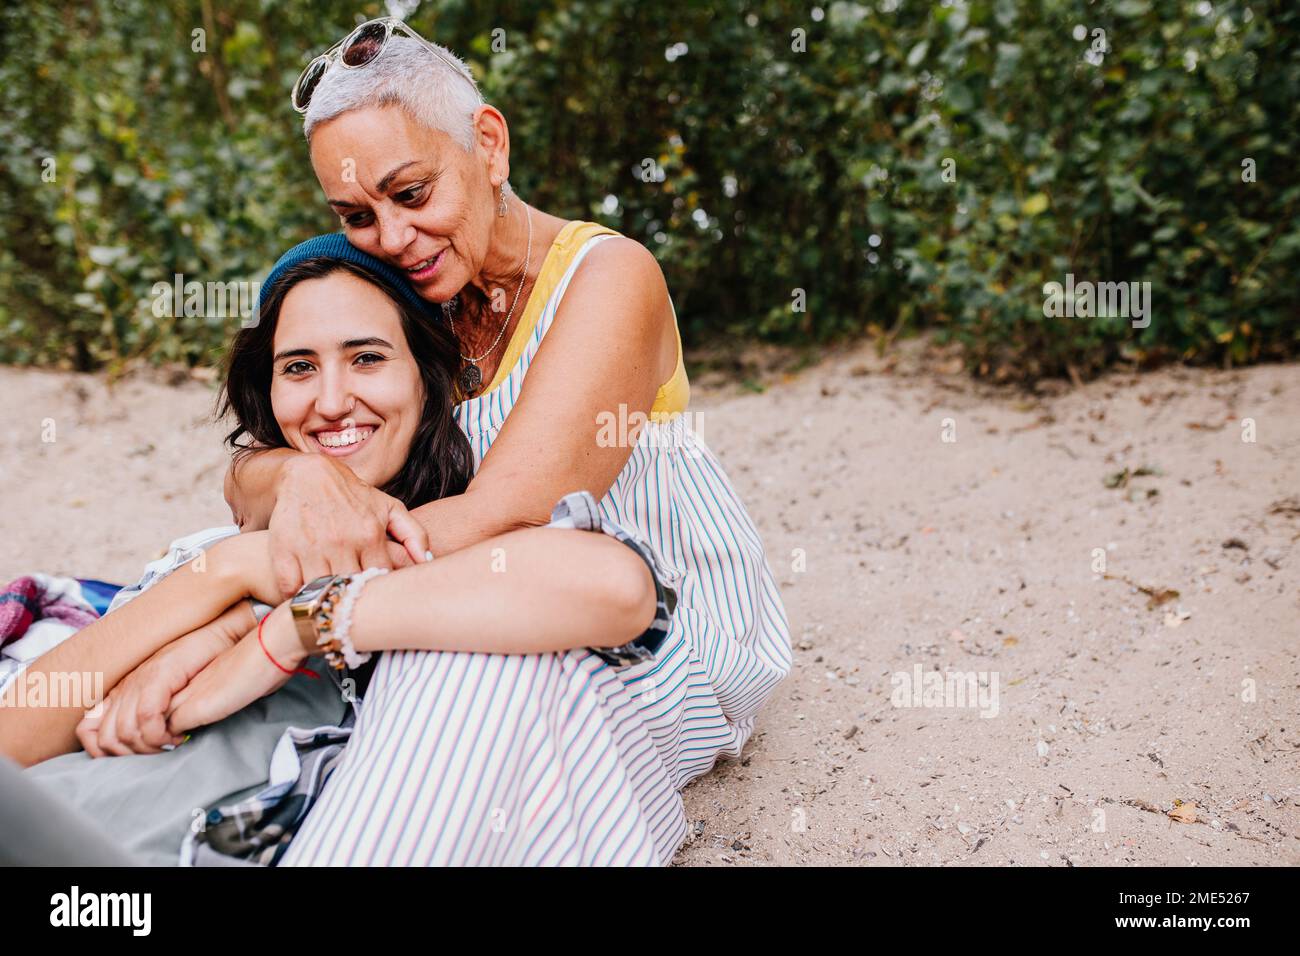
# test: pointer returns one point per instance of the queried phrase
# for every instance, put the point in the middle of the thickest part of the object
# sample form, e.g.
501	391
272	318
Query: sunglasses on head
360	47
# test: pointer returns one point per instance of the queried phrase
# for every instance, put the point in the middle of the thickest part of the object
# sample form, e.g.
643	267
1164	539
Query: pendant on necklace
470	378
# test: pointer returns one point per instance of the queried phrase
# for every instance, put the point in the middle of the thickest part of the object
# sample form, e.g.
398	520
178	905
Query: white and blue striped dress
547	759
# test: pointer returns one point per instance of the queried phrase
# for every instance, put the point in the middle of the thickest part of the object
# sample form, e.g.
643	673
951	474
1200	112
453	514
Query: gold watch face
303	608
310	592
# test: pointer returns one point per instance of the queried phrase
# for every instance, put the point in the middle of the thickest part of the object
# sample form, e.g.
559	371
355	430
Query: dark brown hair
438	463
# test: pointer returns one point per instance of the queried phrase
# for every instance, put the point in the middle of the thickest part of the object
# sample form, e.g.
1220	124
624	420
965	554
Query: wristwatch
312	607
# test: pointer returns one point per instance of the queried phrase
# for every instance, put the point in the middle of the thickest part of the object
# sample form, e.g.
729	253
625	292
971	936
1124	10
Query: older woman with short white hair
564	327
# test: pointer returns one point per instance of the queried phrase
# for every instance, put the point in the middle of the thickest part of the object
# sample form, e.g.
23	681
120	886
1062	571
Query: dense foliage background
786	147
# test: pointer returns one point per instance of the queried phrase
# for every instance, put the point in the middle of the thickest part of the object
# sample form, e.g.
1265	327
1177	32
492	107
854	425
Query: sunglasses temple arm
456	67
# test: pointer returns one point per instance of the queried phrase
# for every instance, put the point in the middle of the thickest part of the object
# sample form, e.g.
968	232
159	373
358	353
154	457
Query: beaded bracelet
342	624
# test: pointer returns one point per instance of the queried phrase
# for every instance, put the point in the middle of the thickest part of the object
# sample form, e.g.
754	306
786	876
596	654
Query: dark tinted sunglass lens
365	44
307	83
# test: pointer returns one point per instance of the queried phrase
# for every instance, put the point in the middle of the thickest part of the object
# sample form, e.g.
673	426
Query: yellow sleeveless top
673	395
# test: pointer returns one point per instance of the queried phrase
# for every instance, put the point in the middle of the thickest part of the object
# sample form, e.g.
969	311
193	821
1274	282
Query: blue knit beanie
334	246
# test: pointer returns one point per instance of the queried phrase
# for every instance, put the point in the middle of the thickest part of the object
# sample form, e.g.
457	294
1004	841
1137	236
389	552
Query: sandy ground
915	520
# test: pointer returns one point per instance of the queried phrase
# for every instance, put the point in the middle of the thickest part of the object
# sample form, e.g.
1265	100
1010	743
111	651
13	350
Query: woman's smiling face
343	380
403	193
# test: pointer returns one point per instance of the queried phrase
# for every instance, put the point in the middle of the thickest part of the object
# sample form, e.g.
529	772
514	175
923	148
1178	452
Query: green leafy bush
802	174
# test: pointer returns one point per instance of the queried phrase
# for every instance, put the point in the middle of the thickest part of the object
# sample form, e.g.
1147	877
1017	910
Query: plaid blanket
38	597
39	611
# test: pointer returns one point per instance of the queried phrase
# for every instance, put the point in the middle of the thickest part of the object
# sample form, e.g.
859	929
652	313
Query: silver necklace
471	377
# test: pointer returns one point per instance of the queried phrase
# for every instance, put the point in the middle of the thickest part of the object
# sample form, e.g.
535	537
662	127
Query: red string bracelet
301	670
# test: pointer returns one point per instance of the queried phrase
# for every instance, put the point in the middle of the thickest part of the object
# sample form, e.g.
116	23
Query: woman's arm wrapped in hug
529	591
207	592
572	588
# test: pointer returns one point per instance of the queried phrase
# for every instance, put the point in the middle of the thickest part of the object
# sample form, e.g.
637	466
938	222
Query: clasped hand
212	672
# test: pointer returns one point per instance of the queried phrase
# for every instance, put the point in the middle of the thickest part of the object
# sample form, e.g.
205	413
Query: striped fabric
550	759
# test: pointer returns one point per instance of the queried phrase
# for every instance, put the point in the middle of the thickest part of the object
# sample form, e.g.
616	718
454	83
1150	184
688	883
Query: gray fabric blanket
148	803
